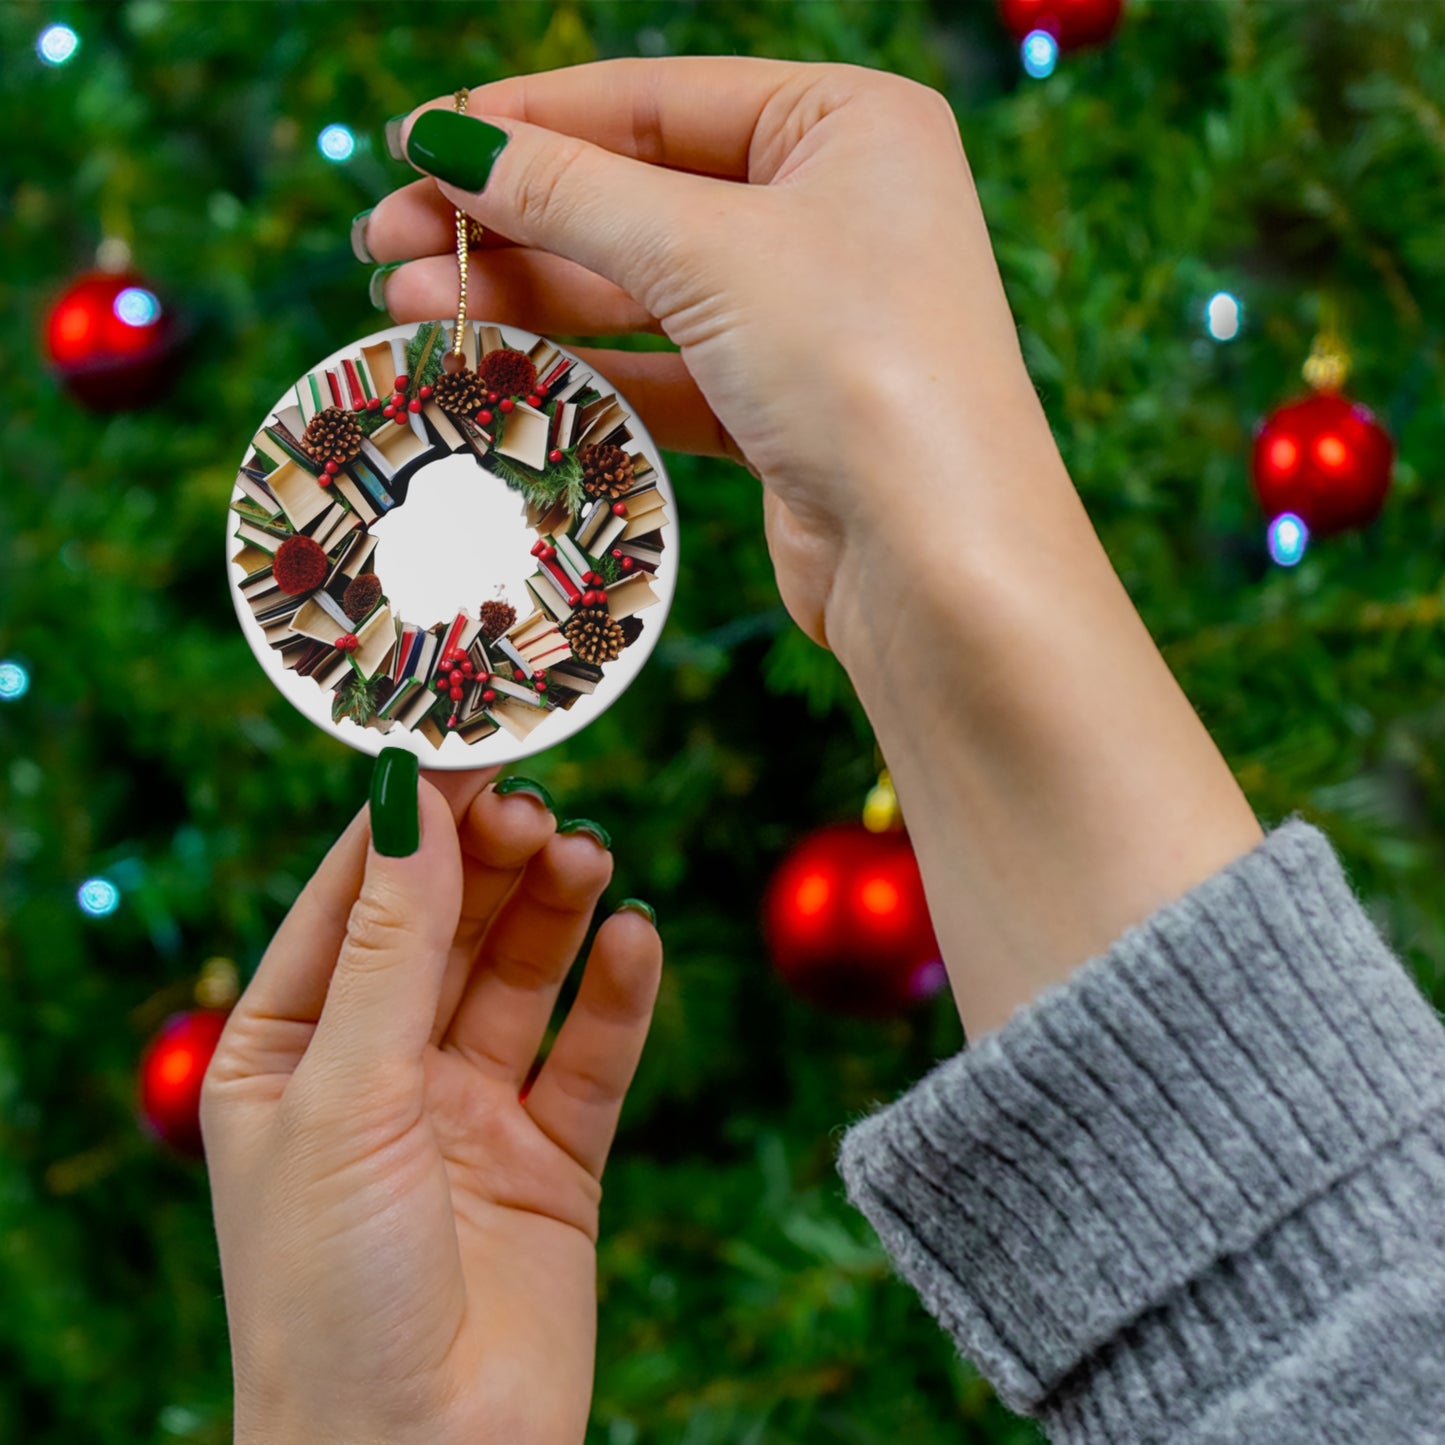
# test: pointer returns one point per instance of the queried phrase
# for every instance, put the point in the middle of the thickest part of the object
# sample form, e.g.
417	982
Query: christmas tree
1286	158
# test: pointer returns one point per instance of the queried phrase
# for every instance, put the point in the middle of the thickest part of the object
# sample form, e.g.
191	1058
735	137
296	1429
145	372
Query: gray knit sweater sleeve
1196	1192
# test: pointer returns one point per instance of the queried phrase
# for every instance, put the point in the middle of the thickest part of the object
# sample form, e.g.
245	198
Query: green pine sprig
557	482
356	698
609	568
424	354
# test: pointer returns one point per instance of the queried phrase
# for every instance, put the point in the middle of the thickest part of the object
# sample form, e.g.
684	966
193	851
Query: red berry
484	417
619	508
413	405
541	687
534	400
541	393
506	404
401	383
617	551
627	564
538	675
518	675
425	392
493	397
401	419
324	480
373	403
554	456
388	411
455	694
455	677
452	721
359	406
332	468
489	696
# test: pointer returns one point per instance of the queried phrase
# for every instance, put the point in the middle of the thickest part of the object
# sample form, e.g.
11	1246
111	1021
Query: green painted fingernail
508	786
359	248
376	289
392	132
455	148
395	812
586	825
636	905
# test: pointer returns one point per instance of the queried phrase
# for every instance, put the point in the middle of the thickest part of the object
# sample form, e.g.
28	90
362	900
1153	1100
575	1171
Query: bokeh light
14	681
1040	54
57	44
336	143
1288	538
137	307
1223	316
98	897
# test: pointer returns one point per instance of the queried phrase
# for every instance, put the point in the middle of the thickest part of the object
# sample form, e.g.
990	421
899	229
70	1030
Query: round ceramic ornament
455	538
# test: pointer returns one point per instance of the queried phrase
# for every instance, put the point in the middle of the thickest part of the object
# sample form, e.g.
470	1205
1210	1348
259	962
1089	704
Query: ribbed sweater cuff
1130	1155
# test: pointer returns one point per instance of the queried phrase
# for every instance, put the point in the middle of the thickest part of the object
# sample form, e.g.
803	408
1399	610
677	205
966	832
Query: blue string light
57	44
1040	54
98	897
14	681
137	307
336	143
1288	538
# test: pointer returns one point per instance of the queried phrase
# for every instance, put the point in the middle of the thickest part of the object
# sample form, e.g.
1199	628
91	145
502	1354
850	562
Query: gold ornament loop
469	233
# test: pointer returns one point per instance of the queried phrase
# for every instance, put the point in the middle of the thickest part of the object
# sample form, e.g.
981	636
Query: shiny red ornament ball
112	341
1073	23
1326	459
170	1075
847	924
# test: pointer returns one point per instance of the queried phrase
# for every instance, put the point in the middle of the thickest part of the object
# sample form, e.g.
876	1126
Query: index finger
698	113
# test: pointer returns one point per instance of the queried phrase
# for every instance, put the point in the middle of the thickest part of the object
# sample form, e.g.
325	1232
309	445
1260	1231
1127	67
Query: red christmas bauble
1073	23
1326	459
111	341
847	924
171	1071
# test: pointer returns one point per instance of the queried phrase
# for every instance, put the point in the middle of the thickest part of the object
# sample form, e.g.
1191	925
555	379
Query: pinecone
496	618
606	470
361	595
332	436
593	636
459	392
507	372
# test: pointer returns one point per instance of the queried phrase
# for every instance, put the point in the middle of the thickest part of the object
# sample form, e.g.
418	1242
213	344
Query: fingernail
359	248
455	148
376	288
393	136
395	813
586	825
636	905
508	786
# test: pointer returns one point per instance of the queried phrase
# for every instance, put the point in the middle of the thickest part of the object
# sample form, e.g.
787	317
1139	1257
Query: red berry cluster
626	563
544	551
596	593
397	407
348	642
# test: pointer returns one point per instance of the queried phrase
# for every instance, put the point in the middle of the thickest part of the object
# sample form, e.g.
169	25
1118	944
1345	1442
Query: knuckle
375	933
542	188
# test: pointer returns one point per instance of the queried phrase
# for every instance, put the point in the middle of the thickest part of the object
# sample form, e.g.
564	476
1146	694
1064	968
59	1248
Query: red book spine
335	386
408	636
565	585
453	632
552	377
353	383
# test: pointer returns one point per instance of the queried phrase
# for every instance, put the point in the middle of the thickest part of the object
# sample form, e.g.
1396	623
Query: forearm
1056	782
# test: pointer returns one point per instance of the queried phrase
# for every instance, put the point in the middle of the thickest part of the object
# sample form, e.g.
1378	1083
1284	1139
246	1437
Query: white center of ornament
459	535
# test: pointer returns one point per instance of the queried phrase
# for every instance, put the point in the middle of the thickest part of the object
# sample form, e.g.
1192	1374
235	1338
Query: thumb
382	999
633	223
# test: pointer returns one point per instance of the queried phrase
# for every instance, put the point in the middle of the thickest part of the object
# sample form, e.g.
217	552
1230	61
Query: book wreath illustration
344	451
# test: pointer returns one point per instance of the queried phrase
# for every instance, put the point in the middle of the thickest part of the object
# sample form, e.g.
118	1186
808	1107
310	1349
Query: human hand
840	317
408	1246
